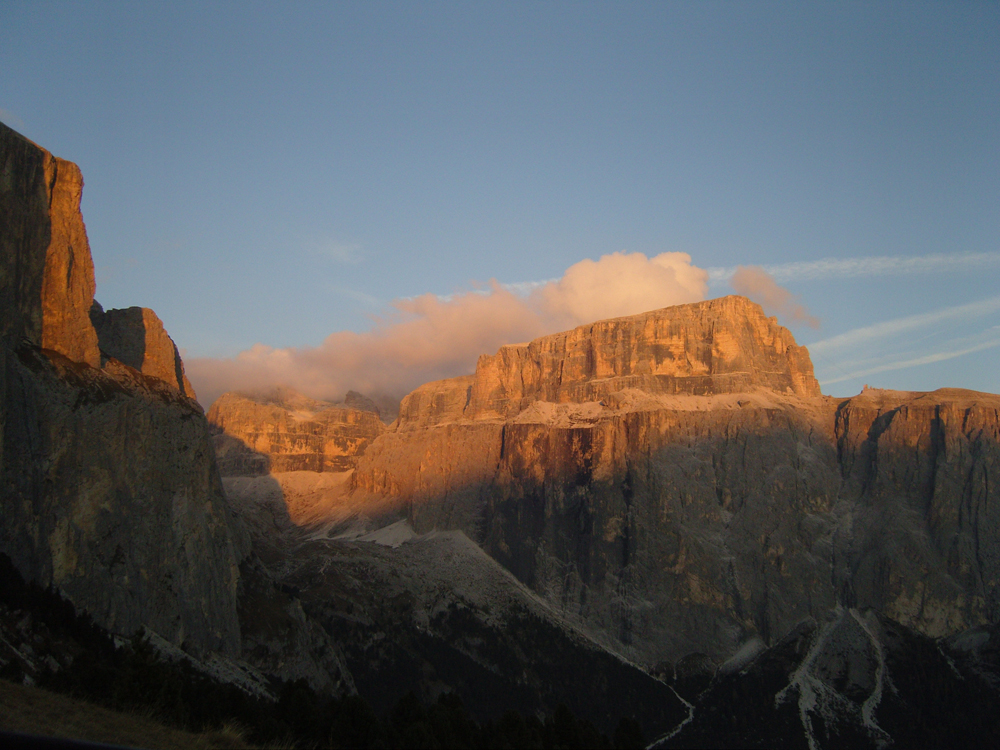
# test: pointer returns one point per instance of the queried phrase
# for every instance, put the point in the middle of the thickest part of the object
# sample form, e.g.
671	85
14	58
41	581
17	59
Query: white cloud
428	337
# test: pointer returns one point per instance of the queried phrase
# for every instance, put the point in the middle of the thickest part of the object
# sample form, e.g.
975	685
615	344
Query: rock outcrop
108	481
281	431
136	337
110	494
672	514
46	271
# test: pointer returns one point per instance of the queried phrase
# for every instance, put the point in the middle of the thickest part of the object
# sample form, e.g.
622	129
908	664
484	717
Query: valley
655	522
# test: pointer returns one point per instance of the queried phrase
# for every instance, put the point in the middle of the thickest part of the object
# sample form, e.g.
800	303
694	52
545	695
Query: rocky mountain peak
719	346
135	336
107	478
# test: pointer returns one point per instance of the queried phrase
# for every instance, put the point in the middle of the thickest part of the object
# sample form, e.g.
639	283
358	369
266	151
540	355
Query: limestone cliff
281	431
108	482
110	494
136	337
724	345
670	515
46	272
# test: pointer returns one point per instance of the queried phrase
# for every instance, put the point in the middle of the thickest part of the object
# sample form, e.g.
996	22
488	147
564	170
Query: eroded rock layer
283	431
724	345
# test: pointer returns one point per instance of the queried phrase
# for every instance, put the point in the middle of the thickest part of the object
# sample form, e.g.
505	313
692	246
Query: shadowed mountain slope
669	514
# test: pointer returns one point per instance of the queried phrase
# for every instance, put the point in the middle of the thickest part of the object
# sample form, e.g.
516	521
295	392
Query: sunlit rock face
725	345
46	272
281	431
684	513
136	337
108	480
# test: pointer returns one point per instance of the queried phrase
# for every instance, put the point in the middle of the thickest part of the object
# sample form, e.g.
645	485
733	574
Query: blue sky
273	173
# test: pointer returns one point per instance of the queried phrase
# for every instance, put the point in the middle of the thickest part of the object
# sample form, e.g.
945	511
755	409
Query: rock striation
675	514
725	345
108	481
281	431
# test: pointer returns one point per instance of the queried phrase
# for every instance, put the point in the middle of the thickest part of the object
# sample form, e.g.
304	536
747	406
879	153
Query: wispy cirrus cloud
914	362
876	265
897	326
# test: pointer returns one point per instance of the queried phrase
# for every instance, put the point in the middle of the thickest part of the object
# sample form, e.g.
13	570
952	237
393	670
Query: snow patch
744	655
679	728
392	535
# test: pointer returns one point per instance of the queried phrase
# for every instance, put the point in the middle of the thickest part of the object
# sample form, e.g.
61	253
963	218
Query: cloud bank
757	284
428	337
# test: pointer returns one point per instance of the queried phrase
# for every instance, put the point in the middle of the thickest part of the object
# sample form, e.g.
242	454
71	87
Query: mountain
657	517
108	478
674	483
281	430
673	487
114	500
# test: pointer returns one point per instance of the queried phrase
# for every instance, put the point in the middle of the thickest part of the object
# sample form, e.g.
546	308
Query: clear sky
273	173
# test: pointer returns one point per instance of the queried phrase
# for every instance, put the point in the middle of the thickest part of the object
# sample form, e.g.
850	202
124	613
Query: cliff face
136	337
110	494
670	524
285	431
725	345
46	272
922	542
108	482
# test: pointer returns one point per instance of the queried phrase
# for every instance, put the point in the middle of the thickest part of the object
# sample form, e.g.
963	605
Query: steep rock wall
46	272
110	494
108	481
136	337
672	524
922	542
289	432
